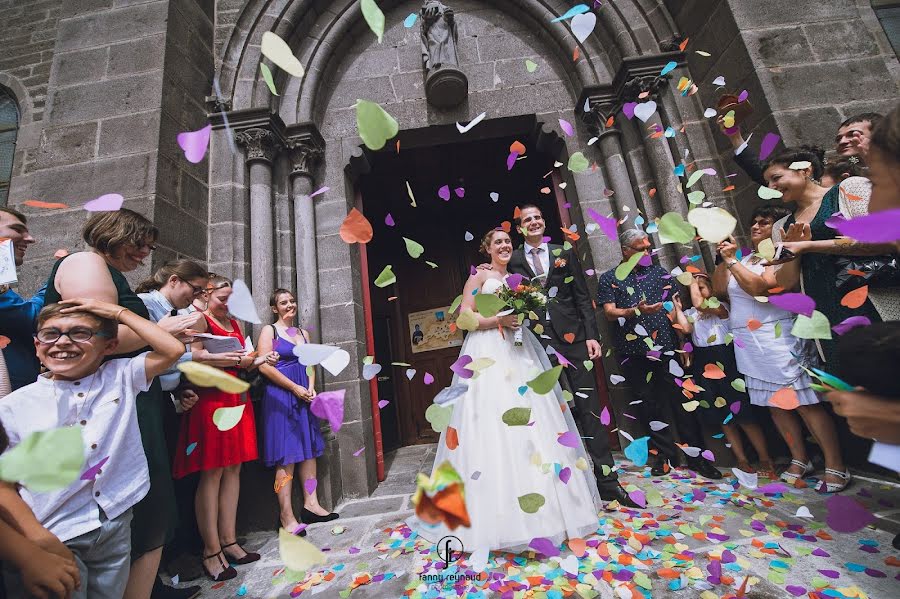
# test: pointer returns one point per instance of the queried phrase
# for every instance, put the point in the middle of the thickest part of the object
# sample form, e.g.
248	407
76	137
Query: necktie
536	261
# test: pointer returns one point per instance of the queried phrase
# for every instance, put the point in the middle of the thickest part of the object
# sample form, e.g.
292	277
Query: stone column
261	146
610	144
305	155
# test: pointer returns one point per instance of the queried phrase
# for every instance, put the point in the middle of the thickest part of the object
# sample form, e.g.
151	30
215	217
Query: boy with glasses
92	515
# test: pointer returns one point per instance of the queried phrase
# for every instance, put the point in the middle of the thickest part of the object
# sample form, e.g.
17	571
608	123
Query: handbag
877	272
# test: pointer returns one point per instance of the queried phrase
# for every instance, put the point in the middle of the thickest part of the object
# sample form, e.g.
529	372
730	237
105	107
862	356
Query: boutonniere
559	262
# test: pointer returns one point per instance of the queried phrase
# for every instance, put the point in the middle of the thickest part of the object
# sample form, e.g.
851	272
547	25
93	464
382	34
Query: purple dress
291	431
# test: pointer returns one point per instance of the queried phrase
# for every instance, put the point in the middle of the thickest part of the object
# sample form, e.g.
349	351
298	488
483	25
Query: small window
9	127
888	13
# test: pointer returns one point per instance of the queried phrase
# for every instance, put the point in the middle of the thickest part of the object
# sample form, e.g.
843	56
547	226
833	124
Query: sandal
227	572
827	487
248	558
767	470
791	478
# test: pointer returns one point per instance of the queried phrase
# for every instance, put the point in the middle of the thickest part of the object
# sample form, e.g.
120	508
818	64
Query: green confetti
696	197
374	17
567	395
375	125
777	330
517	416
625	268
588	365
815	327
673	229
267	77
530	66
431	264
488	304
439	417
695	176
739	385
45	460
531	502
456	302
578	163
413	248
543	383
386	277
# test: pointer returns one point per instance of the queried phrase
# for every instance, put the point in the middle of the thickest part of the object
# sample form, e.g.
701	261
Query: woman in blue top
291	432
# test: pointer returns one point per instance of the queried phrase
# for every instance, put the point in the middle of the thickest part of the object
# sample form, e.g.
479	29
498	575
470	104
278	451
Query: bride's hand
510	321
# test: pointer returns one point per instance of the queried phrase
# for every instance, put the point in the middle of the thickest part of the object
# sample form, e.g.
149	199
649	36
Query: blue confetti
670	66
575	10
242	591
191	448
637	451
410	20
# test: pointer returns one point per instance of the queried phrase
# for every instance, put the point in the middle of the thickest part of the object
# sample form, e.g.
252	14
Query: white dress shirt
544	255
103	405
159	306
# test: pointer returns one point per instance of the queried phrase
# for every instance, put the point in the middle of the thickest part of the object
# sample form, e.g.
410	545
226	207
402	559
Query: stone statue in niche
445	84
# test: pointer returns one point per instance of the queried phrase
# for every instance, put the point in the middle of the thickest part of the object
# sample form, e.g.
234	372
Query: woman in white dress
499	463
770	358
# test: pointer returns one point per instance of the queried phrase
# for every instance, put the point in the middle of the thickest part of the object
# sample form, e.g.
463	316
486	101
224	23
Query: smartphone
782	255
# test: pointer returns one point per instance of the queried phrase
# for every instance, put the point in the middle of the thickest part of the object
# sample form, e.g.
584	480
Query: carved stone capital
595	119
260	144
652	85
305	156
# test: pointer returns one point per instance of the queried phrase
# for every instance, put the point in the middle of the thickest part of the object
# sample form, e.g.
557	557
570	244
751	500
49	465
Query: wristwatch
731	263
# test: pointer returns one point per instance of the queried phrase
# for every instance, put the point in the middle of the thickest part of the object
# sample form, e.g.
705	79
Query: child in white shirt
91	516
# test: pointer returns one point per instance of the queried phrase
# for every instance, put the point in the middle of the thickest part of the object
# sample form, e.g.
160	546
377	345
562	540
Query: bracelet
119	313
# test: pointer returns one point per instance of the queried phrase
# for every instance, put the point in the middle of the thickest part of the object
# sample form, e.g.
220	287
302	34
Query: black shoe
163	591
619	494
307	517
249	556
705	469
896	542
658	468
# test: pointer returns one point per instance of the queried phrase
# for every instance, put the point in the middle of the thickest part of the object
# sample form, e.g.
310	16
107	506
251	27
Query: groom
571	326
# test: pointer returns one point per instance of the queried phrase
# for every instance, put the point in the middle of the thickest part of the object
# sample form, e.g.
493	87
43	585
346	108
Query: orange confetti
578	546
855	272
545	190
753	324
575	55
452	438
4	341
517	213
398	146
652	192
785	398
356	228
281	482
690	385
712	371
569	337
610	120
61	253
729	188
691	268
683	44
506	226
517	147
453	327
48	205
572	236
856	298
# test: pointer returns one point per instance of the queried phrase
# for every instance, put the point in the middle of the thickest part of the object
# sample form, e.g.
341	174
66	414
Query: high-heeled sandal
249	558
227	572
791	478
827	487
767	470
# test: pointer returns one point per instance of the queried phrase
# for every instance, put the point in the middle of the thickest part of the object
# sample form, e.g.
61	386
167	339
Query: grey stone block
105	98
129	134
112	25
193	197
778	46
815	126
333	252
505	46
130	176
348	91
374	62
513	72
74	8
835	40
61	146
137	56
79	67
798	87
761	13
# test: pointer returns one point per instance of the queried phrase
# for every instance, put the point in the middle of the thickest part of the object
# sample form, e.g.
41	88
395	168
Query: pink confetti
851	323
92	472
428	378
545	546
444	193
565	474
309	485
319	191
382	403
460	192
105	203
568	439
604	416
708	455
798	303
358	451
845	514
329	405
389	220
511	160
566	126
880	227
608	225
194	143
768	144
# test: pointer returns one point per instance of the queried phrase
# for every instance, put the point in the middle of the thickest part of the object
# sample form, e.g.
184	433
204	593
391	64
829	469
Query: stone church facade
102	88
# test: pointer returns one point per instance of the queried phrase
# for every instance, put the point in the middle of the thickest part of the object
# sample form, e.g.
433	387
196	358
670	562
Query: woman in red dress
218	454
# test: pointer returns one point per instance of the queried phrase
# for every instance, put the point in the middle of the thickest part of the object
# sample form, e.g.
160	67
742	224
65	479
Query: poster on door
430	330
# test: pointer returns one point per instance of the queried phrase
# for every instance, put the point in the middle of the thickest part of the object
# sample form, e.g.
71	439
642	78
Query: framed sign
430	330
7	263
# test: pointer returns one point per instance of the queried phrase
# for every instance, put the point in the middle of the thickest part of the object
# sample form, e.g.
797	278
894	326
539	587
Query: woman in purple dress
291	433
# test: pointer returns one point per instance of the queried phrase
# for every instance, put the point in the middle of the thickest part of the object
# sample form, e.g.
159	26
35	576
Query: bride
499	463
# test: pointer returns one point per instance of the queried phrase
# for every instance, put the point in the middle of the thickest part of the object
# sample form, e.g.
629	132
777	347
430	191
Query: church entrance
461	188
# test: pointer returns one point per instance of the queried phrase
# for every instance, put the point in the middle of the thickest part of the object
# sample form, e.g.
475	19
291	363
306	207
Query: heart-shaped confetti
583	25
645	110
106	203
194	143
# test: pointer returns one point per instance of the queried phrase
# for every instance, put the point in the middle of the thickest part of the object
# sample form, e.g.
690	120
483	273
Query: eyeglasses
196	289
75	335
141	245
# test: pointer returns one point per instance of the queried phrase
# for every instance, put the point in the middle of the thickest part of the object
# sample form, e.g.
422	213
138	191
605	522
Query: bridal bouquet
523	298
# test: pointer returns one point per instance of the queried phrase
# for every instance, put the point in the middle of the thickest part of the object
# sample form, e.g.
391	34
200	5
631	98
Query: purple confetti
565	474
875	573
628	109
845	514
566	126
545	546
382	403
604	416
743	96
688	347
830	573
514	280
851	323
389	220
638	497
567	439
798	303
768	144
608	225
773	488
92	472
358	451
880	227
795	590
444	193
309	485
511	160
708	455
646	260
459	367
460	192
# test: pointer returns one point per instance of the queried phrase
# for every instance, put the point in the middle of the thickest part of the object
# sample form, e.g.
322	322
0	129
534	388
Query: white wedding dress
500	463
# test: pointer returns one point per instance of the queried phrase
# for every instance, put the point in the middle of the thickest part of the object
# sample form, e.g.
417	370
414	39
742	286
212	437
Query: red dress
215	448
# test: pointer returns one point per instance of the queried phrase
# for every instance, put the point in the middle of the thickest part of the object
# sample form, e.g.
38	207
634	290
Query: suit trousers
658	398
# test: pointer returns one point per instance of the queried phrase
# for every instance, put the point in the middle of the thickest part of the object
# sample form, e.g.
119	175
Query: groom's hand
593	348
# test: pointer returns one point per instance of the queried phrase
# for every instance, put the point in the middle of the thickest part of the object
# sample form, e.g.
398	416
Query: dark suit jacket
571	311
